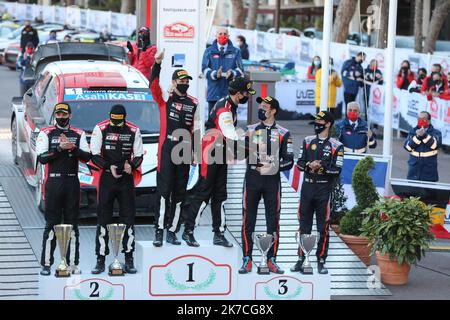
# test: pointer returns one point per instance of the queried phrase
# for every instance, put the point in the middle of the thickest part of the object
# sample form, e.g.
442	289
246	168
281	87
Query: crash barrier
171	273
118	24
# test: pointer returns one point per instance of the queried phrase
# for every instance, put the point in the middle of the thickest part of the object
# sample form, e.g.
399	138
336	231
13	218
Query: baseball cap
181	74
325	115
63	107
242	84
274	104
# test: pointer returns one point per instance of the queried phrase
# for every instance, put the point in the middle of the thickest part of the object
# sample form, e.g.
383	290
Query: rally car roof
97	74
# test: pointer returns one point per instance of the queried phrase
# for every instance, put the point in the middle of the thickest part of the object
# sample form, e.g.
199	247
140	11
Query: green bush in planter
399	228
366	195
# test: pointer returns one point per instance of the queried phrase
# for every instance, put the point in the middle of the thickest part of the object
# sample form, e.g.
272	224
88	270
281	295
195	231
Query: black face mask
244	100
262	115
182	88
319	128
62	122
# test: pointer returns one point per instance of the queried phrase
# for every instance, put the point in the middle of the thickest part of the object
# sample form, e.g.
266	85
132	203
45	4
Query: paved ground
429	280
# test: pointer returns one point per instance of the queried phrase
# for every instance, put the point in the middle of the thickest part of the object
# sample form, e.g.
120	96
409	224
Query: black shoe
129	265
321	267
100	266
298	267
45	271
188	236
159	234
220	240
171	237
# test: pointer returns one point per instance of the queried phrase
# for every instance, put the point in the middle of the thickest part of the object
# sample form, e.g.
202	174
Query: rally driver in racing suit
176	115
117	149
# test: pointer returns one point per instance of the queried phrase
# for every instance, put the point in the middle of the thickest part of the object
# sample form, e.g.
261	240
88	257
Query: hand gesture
159	57
219	73
420	132
265	169
114	172
315	165
64	143
127	168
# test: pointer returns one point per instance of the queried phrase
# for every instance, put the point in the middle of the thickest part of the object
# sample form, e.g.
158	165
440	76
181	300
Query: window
41	84
48	104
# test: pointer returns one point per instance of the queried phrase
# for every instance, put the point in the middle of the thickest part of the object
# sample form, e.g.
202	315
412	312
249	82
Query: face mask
262	114
317	63
319	128
182	88
244	100
374	68
352	116
62	122
422	123
223	40
405	68
422	76
30	51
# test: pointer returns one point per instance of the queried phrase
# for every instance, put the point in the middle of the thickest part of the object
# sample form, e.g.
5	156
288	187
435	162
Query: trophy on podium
263	242
116	232
307	242
63	233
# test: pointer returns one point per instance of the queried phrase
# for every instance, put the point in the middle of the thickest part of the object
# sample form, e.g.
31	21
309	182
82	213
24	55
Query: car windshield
16	34
144	114
6	32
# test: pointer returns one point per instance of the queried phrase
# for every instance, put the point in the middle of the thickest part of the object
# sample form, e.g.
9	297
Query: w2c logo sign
94	289
284	288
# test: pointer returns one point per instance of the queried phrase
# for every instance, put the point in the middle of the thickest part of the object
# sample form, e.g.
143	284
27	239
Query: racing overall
176	113
113	146
317	187
266	185
61	187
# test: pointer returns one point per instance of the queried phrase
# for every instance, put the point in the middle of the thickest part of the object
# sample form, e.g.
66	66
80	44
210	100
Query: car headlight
84	169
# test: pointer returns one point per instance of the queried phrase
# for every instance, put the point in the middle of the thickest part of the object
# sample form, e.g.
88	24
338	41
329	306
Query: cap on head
326	116
63	107
241	84
144	30
118	112
181	74
274	104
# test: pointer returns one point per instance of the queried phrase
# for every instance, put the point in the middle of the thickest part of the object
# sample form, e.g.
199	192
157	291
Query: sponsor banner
299	98
80	95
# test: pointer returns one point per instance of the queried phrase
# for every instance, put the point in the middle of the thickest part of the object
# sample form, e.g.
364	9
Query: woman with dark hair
405	76
313	68
243	46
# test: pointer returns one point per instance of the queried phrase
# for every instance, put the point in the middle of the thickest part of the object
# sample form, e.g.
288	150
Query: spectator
67	38
221	63
293	33
405	76
416	85
29	34
353	77
6	15
448	79
316	64
334	82
243	46
435	68
354	133
422	144
52	37
105	35
142	53
436	87
24	61
372	75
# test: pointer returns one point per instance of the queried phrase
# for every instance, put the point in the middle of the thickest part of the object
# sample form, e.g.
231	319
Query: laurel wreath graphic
274	296
108	295
182	287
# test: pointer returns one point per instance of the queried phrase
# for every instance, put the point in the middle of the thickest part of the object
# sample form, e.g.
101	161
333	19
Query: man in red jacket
142	54
428	82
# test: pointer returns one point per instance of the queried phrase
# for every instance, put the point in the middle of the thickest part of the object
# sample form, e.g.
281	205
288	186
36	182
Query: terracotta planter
391	272
359	245
336	228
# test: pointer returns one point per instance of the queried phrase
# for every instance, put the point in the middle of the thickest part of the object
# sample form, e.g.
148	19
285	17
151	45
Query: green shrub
351	222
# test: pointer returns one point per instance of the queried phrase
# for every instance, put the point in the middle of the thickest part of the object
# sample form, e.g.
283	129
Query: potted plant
338	207
366	195
399	233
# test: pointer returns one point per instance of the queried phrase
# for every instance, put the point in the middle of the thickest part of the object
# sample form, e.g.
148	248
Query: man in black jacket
29	34
321	159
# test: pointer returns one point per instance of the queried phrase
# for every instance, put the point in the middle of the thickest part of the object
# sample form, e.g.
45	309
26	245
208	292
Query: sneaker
246	266
159	234
45	271
75	270
298	267
220	240
100	266
188	236
172	238
273	266
321	267
129	265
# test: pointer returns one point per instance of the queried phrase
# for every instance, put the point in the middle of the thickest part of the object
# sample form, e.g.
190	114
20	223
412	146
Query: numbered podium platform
181	272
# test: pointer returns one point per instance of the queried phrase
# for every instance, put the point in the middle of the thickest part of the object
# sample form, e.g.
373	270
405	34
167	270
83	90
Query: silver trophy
263	242
116	232
63	233
307	242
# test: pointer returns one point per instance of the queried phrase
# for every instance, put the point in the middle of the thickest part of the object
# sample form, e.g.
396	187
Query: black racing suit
177	113
61	187
278	147
317	187
113	146
212	184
